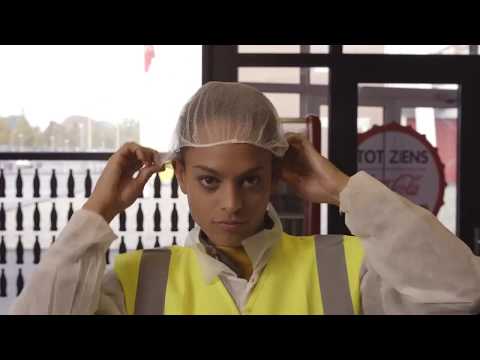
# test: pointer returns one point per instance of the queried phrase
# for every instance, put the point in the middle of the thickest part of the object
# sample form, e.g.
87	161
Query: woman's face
228	189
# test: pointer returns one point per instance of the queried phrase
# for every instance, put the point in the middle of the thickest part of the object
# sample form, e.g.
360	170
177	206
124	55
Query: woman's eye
251	181
208	181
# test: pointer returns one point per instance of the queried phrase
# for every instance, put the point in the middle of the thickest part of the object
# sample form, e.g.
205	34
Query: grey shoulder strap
152	282
332	274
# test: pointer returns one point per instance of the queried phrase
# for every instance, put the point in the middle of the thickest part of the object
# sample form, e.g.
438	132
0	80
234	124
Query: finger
135	151
138	165
297	144
125	156
160	158
292	137
293	156
290	178
140	155
301	143
146	172
131	166
128	148
289	134
145	155
122	159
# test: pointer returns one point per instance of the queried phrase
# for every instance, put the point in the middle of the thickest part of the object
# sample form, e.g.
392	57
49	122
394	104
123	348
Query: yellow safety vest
305	275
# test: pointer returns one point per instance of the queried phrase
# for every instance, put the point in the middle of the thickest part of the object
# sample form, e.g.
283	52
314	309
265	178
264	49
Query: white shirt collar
256	246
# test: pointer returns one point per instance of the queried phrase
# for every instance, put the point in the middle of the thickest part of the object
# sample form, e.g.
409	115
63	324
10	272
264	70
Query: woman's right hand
117	189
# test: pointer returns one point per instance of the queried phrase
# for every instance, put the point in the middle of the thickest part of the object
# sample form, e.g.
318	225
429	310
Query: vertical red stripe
149	53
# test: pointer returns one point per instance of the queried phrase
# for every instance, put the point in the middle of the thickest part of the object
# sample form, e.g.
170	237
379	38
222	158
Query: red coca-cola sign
404	161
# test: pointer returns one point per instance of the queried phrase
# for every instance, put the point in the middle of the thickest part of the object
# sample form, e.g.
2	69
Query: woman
229	153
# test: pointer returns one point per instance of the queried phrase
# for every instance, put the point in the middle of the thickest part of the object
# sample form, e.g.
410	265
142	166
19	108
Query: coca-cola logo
405	184
404	161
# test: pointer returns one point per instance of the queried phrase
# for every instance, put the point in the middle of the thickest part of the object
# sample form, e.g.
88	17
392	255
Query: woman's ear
179	168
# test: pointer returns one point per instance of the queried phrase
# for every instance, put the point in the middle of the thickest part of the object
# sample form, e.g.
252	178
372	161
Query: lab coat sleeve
70	278
412	264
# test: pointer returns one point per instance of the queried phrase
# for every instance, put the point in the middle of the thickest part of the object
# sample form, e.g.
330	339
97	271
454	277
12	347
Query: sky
104	82
108	83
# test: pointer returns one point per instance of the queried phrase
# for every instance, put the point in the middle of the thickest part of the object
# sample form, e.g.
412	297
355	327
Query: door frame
221	62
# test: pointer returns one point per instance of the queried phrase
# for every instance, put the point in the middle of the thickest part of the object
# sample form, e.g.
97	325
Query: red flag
149	55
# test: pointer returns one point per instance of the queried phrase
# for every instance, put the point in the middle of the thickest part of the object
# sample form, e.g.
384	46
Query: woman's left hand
311	175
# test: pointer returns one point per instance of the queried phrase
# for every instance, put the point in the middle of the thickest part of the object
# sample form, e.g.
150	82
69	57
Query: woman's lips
230	225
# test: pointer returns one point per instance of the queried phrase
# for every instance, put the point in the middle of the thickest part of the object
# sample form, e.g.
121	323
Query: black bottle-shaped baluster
19	184
107	256
3	251
174	218
2	184
19	217
70	212
36	185
70	184
157	242
20	282
139	244
174	241
157	187
36	218
122	218
53	185
191	223
157	219
2	218
174	186
3	284
36	251
19	250
88	184
139	218
122	248
53	218
53	240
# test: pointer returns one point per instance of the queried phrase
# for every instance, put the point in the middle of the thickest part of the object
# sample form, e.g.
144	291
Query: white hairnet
228	113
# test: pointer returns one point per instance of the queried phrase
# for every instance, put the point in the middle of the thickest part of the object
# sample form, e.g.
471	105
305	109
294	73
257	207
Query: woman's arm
69	277
413	264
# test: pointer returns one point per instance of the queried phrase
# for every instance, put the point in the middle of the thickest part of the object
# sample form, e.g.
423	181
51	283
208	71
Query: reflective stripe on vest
152	284
338	278
332	275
